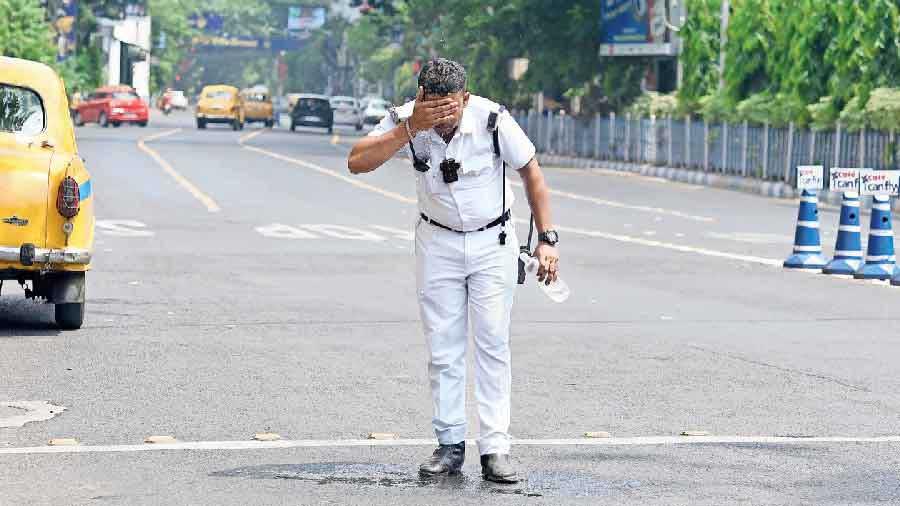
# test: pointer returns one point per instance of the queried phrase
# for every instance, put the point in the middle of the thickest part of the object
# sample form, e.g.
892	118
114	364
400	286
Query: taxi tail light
68	198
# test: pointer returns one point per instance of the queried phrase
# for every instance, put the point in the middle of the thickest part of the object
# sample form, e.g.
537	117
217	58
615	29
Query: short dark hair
441	76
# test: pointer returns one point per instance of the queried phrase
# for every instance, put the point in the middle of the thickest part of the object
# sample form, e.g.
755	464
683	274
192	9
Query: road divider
807	243
205	199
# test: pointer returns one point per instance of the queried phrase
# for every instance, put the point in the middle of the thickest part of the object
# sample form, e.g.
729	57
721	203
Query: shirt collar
467	125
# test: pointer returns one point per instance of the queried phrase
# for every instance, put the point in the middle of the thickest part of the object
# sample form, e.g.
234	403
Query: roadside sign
879	182
844	180
810	177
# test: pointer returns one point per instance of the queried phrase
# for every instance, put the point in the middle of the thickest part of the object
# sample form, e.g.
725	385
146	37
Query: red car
112	105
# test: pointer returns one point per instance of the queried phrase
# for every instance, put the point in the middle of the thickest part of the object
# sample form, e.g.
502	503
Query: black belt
492	224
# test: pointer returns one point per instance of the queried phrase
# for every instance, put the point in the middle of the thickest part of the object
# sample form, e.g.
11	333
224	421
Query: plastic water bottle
558	291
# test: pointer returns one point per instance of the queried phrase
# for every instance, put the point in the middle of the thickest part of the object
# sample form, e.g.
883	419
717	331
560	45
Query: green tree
24	32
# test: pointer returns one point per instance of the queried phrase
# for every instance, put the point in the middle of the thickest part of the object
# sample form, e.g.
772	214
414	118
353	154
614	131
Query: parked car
375	110
313	111
47	205
347	111
220	104
258	106
112	105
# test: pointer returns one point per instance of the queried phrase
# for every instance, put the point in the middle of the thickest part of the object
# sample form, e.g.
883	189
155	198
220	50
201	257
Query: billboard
634	27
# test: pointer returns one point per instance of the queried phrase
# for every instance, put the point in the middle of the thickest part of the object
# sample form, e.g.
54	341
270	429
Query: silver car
347	111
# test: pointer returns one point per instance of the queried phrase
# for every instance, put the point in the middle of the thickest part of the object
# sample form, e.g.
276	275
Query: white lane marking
670	246
622	205
280	231
205	199
398	233
123	228
332	173
348	443
343	232
29	411
752	237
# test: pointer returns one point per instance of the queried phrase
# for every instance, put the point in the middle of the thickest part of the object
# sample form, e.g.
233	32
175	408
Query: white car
178	100
375	110
347	112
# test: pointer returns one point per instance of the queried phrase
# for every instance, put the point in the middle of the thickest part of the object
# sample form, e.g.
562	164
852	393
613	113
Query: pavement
245	282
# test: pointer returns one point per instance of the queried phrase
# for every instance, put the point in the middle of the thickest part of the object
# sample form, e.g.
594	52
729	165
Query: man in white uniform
466	255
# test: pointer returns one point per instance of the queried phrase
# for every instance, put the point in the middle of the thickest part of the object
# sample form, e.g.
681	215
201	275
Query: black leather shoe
496	467
446	459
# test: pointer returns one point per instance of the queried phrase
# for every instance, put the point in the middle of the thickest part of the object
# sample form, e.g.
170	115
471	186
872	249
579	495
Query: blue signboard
625	21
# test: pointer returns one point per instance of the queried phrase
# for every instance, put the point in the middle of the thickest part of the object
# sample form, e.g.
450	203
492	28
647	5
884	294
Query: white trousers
463	278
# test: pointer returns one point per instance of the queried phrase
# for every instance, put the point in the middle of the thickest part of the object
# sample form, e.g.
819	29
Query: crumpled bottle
558	291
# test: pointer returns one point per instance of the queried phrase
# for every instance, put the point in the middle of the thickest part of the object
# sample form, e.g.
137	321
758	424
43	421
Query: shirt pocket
477	170
434	181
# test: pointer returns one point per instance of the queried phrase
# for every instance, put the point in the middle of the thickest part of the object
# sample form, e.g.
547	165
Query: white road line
666	245
369	443
205	199
332	173
622	205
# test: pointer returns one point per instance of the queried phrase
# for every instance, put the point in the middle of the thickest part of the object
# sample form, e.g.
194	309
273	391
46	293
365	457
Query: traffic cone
848	248
880	260
807	246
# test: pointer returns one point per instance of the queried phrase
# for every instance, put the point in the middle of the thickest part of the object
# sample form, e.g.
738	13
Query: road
245	282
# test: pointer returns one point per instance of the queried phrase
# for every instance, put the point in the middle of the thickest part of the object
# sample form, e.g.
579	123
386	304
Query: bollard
848	247
807	245
880	259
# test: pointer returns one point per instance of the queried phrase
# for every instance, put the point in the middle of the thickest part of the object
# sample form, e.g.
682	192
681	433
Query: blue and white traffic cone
880	260
807	246
848	248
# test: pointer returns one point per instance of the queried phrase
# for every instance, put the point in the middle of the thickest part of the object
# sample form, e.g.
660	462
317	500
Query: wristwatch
549	236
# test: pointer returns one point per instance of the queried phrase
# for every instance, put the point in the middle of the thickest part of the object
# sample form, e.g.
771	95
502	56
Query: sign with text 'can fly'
844	180
879	182
810	177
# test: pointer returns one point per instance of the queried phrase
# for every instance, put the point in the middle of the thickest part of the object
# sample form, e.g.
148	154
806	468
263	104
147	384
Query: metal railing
743	149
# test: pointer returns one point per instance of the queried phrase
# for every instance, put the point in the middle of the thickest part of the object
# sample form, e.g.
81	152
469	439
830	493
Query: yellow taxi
258	106
220	104
46	197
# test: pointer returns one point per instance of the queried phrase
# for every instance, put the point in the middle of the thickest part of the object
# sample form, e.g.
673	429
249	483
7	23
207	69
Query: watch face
551	236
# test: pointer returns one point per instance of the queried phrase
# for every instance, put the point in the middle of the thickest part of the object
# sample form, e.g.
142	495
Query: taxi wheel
293	126
235	125
69	316
331	130
116	124
201	124
142	124
104	122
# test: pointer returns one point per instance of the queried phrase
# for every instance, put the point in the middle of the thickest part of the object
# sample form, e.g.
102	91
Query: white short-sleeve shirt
476	199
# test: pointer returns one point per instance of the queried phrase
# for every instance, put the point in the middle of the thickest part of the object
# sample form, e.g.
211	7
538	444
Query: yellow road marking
207	201
247	137
335	139
328	172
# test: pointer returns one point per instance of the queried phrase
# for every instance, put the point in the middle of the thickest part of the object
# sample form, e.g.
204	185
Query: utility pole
723	39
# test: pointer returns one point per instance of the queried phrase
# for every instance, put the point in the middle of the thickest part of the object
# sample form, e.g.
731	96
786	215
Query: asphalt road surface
245	282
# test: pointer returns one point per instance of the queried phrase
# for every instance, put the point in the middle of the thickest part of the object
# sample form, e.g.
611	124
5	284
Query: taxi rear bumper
48	256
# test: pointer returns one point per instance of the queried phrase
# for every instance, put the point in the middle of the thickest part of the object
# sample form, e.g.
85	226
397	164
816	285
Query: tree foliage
24	32
806	61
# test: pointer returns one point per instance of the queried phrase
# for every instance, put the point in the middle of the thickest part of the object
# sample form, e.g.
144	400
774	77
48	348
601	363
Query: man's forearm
371	152
538	195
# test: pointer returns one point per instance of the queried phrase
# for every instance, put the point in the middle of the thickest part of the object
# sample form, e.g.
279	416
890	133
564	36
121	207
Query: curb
771	189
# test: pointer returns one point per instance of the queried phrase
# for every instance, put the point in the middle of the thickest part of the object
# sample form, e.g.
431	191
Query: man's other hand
548	258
